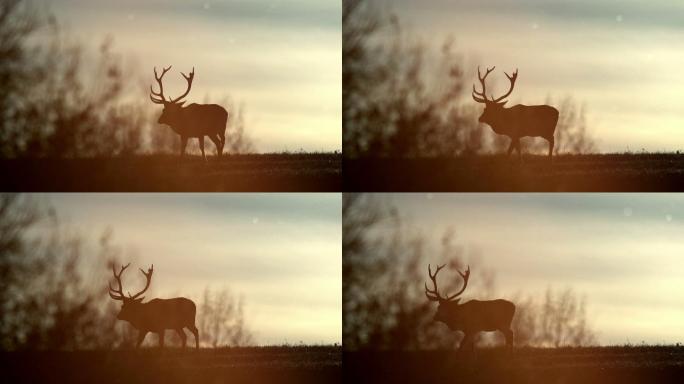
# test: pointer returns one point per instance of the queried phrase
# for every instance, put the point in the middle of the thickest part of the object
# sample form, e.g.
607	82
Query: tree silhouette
221	320
397	103
52	296
54	104
384	267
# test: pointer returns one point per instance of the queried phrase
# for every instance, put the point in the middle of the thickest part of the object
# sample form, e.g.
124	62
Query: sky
281	59
621	58
623	252
280	252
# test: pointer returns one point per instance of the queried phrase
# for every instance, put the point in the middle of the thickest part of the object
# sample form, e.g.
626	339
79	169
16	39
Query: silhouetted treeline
56	103
384	307
53	293
400	99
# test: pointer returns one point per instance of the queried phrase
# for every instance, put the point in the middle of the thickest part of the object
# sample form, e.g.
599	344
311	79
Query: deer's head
172	107
132	302
493	106
448	309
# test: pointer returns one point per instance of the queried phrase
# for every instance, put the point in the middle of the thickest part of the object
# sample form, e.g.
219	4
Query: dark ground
623	365
497	173
303	364
167	173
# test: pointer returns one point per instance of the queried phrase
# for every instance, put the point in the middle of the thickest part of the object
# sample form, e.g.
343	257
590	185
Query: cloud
281	59
281	252
623	251
614	56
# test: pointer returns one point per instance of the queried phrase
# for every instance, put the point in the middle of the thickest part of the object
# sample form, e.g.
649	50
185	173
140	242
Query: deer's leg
222	137
161	338
551	143
181	333
467	339
184	143
511	146
517	146
217	143
201	142
508	334
141	337
195	332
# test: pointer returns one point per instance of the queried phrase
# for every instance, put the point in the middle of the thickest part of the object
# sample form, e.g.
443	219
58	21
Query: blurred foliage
60	100
52	296
384	307
221	320
401	99
237	142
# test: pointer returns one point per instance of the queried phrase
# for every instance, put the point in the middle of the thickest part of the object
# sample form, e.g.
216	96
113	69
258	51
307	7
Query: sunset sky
620	57
282	59
623	252
280	252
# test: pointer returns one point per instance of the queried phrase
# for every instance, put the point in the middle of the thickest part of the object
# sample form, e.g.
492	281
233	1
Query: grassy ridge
301	364
527	365
284	172
597	172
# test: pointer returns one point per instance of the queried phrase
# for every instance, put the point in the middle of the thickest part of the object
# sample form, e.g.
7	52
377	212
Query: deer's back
533	120
490	315
205	119
168	313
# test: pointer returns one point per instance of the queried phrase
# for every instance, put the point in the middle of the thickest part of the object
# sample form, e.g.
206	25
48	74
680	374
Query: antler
511	79
189	80
148	277
481	97
465	277
433	295
117	294
158	98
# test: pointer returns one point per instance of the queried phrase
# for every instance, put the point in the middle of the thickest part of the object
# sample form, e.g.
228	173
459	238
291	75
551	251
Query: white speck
668	218
618	18
130	17
207	5
429	196
535	26
627	212
255	220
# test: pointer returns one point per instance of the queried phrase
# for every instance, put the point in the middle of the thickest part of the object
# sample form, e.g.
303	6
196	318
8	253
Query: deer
471	317
517	121
194	120
157	315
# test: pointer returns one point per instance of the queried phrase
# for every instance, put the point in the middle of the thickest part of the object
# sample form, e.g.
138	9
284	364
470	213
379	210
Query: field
623	365
497	173
301	364
167	173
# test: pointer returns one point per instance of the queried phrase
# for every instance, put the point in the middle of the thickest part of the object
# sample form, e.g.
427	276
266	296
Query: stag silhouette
519	120
157	315
194	120
474	316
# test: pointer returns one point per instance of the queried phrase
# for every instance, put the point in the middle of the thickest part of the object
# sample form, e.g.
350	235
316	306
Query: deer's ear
180	104
138	300
502	103
456	301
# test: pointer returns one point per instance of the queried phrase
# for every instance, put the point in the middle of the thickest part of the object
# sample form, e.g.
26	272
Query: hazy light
623	251
617	57
281	59
280	252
